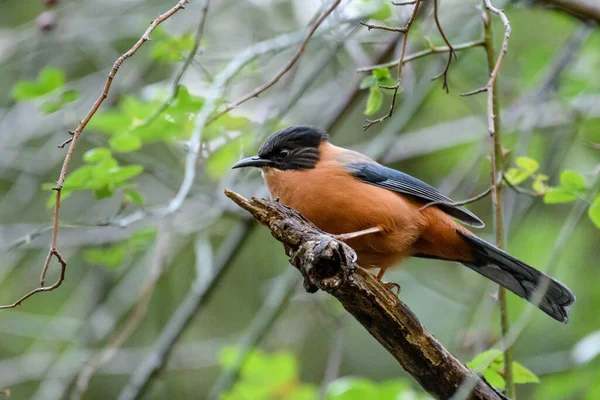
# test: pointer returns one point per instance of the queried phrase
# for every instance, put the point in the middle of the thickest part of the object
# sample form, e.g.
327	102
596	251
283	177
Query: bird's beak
252	162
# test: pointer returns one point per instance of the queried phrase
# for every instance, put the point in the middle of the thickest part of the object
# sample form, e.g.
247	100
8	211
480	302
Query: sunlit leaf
528	164
96	154
381	73
523	375
594	212
134	197
111	121
482	361
494	378
125	143
559	195
572	181
51	79
349	388
374	101
120	174
516	175
25	90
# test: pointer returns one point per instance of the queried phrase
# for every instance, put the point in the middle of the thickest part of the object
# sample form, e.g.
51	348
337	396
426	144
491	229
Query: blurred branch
278	298
334	358
368	123
451	51
256	92
327	264
585	9
53	252
102	357
197	295
423	53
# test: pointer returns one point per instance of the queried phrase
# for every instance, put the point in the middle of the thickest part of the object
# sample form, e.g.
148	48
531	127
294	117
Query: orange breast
336	202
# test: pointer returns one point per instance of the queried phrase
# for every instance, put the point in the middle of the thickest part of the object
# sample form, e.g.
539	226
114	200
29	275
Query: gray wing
396	181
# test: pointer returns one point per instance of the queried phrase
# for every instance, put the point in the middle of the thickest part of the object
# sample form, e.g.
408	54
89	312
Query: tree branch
585	9
327	264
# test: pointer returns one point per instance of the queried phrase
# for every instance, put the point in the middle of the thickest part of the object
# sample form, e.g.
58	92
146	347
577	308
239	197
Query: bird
386	216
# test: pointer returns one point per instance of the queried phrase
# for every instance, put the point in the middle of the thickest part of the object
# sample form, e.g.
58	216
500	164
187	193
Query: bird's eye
283	153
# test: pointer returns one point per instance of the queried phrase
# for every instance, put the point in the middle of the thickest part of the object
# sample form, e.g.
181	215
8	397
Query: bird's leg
347	236
389	285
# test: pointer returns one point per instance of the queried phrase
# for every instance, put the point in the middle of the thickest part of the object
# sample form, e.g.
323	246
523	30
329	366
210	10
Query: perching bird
380	213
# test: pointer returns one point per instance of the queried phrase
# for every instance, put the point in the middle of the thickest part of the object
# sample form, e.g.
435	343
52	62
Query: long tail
520	278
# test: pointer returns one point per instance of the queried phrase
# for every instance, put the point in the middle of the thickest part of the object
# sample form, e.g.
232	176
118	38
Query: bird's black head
296	147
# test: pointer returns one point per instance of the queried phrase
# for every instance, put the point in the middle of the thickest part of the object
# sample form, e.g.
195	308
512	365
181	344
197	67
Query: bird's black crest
294	137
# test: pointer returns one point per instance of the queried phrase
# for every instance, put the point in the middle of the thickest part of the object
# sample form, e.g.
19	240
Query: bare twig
368	123
256	92
451	51
519	189
423	53
327	264
53	252
384	27
584	9
496	162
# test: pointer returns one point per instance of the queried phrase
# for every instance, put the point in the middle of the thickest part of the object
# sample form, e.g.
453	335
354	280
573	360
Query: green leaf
392	390
523	375
171	49
69	96
349	388
133	196
125	143
528	164
51	106
79	178
26	90
381	73
110	122
375	100
594	212
572	181
494	378
516	175
121	174
559	195
104	192
483	361
383	13
97	154
221	160
51	78
110	257
368	81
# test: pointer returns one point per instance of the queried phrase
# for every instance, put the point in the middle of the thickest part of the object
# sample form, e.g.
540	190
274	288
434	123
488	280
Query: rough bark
329	265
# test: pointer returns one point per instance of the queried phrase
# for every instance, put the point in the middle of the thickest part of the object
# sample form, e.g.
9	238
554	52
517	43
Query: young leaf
125	143
374	101
483	361
559	195
349	388
121	174
523	375
368	81
381	73
69	96
594	211
539	185
51	79
97	154
25	90
494	378
134	197
516	175
572	181
528	164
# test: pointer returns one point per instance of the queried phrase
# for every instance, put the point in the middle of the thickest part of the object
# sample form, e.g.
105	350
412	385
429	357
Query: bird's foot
392	286
347	236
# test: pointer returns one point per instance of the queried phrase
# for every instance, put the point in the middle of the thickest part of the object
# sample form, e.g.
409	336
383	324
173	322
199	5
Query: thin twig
368	123
404	3
423	53
53	252
384	27
519	189
451	51
496	161
256	92
459	203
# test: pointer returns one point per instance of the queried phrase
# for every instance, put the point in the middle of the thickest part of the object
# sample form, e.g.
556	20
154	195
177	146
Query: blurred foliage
53	63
